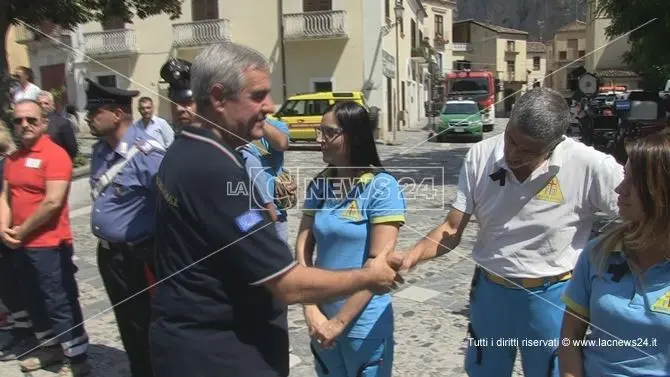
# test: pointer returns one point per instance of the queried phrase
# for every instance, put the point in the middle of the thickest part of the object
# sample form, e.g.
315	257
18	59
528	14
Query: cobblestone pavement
430	308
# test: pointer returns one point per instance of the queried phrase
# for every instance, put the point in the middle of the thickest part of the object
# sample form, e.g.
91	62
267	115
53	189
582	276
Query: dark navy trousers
9	291
123	271
48	288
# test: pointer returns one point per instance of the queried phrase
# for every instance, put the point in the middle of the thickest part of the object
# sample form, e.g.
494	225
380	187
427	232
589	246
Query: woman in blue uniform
352	212
620	288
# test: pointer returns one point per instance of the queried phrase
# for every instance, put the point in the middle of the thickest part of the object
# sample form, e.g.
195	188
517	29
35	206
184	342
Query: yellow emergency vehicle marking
551	192
663	304
352	212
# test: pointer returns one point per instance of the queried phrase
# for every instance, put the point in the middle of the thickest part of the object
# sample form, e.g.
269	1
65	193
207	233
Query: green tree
68	14
649	55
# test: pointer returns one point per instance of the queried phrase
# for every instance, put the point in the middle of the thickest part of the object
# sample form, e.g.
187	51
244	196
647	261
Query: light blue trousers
499	316
353	357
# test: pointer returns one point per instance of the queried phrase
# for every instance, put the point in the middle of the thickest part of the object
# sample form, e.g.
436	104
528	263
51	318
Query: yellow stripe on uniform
575	307
387	219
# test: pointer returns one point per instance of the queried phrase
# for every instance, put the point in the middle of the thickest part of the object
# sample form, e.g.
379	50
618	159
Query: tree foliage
649	53
68	14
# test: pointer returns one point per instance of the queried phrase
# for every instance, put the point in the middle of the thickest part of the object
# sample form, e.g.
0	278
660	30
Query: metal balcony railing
110	42
47	33
316	25
462	47
511	76
199	33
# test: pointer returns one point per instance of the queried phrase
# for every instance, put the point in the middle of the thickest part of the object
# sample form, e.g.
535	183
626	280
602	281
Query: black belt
107	245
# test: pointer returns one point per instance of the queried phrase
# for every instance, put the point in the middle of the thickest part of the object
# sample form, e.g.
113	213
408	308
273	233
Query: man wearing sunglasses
35	221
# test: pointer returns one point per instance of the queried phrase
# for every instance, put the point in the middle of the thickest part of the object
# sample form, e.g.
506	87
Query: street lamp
398	10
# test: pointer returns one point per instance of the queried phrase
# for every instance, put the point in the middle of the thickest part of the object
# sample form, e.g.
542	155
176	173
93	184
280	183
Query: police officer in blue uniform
177	73
123	167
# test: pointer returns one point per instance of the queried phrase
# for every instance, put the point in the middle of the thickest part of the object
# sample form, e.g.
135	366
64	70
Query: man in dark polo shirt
224	274
60	130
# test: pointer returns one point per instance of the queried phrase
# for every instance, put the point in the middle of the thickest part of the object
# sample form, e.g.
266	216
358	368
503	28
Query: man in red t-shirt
16	340
34	220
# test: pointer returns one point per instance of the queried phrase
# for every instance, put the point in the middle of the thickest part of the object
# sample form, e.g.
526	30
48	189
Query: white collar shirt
159	129
538	227
31	91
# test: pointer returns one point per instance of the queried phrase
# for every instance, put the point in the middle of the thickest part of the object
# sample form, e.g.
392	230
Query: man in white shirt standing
534	193
26	90
156	127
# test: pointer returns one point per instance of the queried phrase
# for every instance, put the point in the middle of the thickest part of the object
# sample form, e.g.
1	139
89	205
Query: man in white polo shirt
534	193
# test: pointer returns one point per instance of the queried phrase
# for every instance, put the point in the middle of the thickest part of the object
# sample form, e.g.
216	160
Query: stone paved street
430	309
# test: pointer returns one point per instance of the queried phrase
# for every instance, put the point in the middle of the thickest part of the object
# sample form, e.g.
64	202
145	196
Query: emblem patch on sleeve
551	192
248	220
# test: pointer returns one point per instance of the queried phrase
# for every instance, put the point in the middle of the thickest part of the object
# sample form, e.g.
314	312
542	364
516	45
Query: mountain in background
540	18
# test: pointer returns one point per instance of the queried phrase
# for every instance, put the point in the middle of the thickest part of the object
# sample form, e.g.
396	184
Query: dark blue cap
99	95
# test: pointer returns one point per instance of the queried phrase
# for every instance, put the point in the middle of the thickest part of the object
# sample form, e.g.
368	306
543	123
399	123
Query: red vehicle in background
478	86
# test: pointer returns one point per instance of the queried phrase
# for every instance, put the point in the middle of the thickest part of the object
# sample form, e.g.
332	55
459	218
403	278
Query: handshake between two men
388	270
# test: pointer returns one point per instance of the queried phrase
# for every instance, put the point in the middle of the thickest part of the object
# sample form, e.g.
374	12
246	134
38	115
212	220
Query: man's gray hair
43	112
47	94
541	114
225	64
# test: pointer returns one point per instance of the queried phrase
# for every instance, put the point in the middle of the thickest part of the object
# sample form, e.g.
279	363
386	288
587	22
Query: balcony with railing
22	34
462	47
200	33
117	42
330	24
439	41
44	33
511	50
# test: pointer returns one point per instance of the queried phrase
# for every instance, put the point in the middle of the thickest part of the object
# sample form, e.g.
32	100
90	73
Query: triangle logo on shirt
662	305
352	212
551	192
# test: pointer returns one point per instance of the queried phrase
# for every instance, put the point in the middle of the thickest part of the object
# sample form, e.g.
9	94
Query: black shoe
16	348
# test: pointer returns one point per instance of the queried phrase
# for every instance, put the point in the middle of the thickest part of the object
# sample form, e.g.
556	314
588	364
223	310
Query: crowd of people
200	277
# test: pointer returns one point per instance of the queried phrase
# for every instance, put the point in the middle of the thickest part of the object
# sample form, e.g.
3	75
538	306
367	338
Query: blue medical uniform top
342	234
271	159
125	210
258	175
634	310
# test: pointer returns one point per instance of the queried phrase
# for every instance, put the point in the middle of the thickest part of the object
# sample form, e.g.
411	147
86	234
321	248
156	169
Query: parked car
460	119
303	112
